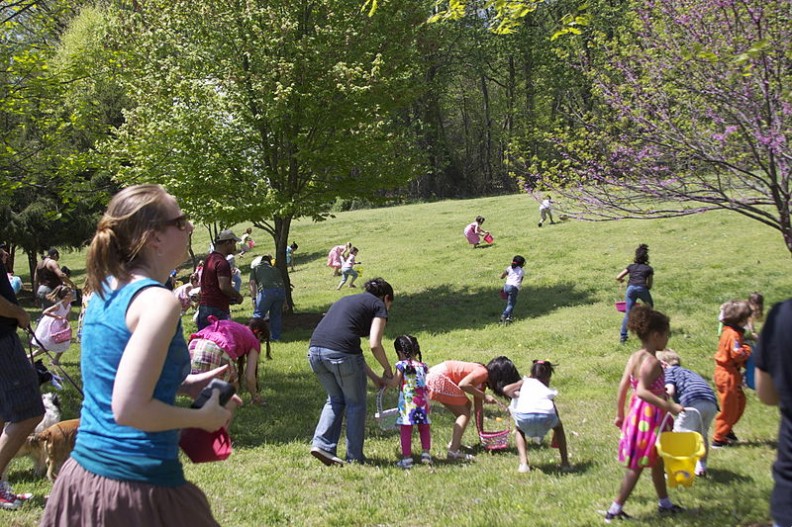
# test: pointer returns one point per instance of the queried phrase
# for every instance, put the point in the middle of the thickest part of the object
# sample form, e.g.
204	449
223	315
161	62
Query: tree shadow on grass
294	402
443	309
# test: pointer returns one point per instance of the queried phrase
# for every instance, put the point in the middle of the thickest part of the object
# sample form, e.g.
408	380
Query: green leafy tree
44	174
268	111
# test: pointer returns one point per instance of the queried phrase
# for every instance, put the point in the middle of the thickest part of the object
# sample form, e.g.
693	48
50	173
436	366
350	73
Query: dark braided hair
408	346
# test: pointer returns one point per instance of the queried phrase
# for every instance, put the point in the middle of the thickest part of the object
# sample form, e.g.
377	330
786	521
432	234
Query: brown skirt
81	498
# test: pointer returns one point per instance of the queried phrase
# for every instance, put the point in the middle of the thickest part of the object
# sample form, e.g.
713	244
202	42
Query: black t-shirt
774	356
347	321
7	325
639	274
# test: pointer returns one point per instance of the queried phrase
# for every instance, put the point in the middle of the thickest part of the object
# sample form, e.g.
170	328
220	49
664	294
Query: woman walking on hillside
641	275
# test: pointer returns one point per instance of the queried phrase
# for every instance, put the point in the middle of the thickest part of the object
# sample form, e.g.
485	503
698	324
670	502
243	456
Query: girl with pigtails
410	378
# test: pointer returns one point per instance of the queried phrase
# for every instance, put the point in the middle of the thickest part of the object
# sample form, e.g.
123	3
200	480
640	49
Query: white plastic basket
386	418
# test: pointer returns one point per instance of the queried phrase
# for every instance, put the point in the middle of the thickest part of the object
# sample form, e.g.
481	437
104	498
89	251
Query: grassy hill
447	296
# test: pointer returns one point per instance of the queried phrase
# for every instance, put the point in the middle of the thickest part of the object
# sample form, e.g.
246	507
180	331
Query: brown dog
51	448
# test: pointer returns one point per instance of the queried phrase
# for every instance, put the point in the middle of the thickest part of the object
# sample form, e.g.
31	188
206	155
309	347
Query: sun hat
226	235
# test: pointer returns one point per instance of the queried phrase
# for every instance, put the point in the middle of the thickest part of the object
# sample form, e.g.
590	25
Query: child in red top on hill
731	356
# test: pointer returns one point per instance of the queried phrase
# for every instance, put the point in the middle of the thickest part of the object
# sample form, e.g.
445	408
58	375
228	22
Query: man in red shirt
217	291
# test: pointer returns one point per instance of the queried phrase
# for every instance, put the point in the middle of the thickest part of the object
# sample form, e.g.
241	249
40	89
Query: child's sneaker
732	437
719	444
458	455
621	515
523	468
405	463
426	458
8	500
673	509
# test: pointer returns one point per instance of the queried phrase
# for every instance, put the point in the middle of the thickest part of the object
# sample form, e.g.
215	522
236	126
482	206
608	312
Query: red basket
488	238
202	446
494	439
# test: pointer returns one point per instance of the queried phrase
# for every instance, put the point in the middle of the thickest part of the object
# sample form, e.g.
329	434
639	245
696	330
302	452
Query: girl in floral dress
648	407
410	378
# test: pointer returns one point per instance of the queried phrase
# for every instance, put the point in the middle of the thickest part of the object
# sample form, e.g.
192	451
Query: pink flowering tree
692	112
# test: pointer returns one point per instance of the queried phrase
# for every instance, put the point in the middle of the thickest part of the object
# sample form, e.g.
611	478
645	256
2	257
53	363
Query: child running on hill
514	276
348	269
535	413
648	407
410	378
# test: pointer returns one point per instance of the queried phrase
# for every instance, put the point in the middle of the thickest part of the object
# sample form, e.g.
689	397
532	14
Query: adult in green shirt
268	293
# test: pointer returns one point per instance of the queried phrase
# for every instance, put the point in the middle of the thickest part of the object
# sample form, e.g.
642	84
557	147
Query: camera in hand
226	391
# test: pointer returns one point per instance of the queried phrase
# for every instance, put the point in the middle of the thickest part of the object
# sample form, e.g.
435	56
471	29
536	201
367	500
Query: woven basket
386	418
494	439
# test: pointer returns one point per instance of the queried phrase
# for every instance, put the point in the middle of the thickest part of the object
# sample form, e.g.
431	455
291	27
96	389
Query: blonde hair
59	293
668	356
132	217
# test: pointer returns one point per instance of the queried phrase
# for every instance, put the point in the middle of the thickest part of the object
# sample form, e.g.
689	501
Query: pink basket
621	306
488	238
62	336
497	439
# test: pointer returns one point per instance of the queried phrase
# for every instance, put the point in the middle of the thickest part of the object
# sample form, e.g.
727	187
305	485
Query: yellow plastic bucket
680	452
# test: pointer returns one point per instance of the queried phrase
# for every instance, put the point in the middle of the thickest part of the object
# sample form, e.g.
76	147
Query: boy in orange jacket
729	359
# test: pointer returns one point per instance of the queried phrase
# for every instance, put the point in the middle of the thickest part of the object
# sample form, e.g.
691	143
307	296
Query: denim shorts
20	398
535	425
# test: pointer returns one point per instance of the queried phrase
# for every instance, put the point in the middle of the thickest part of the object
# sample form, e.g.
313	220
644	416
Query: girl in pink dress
474	232
335	258
648	407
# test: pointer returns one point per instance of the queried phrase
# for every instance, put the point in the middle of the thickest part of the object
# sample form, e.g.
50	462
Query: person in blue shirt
689	389
125	469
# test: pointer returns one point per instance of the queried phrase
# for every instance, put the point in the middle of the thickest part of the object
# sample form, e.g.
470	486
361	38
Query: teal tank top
103	446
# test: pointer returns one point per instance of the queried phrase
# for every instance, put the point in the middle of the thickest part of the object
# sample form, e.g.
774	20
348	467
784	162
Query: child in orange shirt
731	356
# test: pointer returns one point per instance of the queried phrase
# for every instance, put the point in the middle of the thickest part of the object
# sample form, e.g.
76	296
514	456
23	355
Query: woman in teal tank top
125	468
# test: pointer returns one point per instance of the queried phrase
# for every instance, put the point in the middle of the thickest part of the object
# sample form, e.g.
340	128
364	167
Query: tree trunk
281	236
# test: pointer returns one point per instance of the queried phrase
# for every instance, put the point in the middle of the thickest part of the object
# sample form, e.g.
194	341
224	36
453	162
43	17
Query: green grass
446	295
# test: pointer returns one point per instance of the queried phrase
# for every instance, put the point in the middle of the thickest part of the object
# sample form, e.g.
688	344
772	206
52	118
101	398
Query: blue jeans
511	300
271	301
535	425
634	293
205	311
343	377
346	273
236	281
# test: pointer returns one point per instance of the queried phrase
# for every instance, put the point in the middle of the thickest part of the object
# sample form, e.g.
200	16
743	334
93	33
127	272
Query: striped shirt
689	386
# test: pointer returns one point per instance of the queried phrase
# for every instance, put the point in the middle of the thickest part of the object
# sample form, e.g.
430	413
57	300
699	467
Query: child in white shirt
348	269
535	413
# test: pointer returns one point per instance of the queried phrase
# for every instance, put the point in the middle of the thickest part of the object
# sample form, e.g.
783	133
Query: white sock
665	503
615	508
